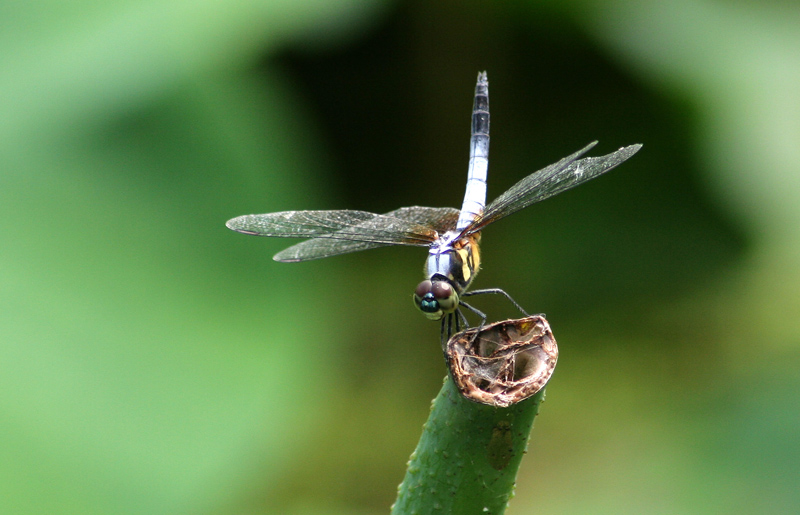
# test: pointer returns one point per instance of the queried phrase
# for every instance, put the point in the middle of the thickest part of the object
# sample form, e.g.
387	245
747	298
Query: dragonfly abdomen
475	195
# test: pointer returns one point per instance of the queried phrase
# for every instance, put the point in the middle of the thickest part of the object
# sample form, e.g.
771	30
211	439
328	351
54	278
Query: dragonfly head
436	297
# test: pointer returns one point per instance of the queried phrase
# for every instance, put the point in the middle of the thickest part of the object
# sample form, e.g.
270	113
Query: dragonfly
452	236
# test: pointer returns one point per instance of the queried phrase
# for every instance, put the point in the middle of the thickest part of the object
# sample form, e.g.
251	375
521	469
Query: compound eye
445	295
426	301
423	288
435	299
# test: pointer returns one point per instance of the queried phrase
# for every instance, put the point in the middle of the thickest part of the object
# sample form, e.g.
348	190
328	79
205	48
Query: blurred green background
151	361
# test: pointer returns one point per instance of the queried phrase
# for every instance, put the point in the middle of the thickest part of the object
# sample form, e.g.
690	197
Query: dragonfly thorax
457	260
451	265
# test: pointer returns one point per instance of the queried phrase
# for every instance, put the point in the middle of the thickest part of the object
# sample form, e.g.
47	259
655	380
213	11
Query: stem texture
467	459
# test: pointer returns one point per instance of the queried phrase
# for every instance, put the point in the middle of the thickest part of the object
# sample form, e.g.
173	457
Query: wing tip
234	224
238	224
287	256
630	148
628	151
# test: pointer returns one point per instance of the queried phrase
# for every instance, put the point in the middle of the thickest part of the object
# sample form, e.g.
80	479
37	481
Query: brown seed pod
503	363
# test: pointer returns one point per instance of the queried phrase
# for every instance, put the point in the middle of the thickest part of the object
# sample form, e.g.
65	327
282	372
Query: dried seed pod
503	363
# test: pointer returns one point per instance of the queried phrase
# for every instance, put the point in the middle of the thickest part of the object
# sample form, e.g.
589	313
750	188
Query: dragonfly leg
463	318
474	310
477	312
447	328
495	290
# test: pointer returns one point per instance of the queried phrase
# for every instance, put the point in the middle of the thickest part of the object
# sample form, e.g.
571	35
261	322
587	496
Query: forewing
550	181
340	232
298	224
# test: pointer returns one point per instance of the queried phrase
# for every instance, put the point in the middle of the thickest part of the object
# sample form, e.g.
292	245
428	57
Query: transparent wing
550	181
298	224
339	232
322	247
424	223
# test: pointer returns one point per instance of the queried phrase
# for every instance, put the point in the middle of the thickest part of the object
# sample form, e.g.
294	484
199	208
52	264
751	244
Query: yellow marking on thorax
470	255
464	256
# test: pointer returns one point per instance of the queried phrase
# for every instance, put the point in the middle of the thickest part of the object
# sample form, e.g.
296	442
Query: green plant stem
467	458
